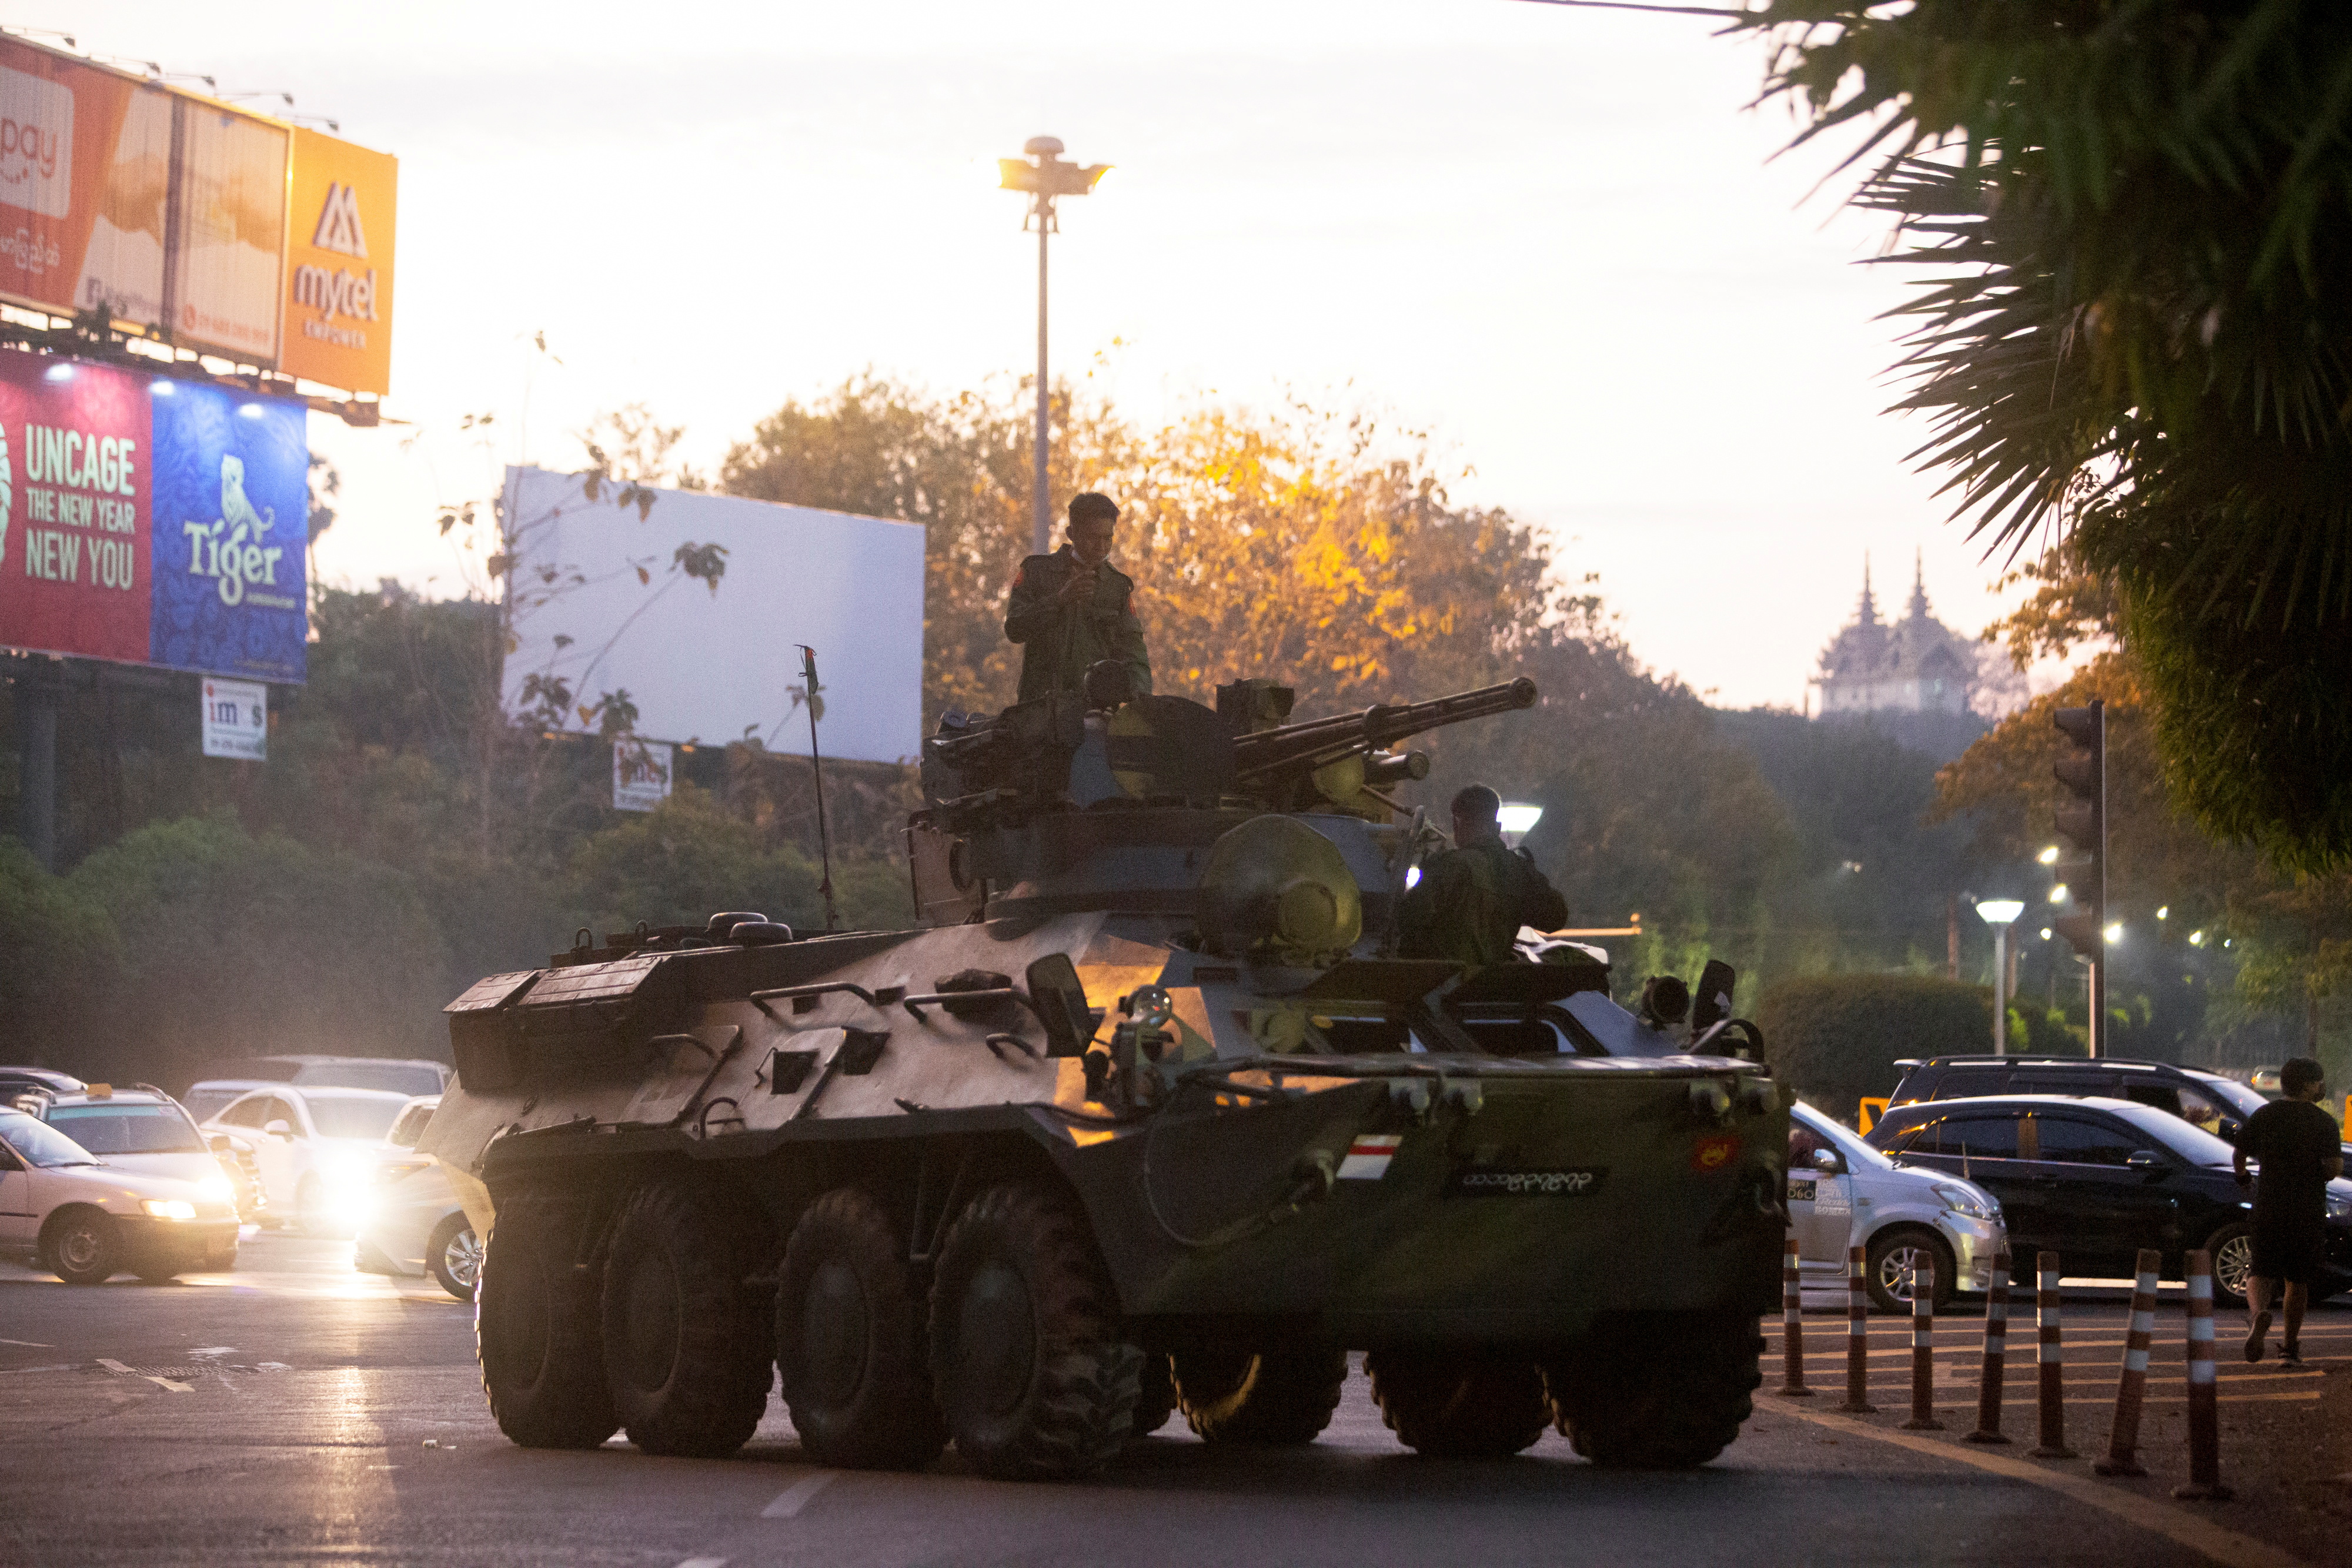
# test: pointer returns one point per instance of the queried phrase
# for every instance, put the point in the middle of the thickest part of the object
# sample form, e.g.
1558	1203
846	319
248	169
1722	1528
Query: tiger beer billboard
228	232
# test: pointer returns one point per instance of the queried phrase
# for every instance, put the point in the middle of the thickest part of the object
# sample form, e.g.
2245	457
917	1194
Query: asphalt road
293	1411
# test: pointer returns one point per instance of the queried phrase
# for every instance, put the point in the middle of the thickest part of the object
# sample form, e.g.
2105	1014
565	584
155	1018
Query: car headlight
215	1189
168	1208
1962	1200
347	1168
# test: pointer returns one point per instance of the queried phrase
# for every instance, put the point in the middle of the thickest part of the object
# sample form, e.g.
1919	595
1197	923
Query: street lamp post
1042	181
1998	912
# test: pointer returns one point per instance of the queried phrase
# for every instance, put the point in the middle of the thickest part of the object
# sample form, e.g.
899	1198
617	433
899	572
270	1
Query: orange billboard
338	279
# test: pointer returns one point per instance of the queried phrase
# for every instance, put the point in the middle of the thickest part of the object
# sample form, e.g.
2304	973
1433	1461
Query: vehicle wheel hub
836	1325
996	1334
80	1246
463	1258
654	1318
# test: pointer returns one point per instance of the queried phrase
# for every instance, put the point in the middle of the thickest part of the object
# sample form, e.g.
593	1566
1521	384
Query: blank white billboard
602	606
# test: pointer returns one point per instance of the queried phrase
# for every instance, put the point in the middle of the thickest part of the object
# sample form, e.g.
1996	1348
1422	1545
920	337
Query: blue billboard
230	509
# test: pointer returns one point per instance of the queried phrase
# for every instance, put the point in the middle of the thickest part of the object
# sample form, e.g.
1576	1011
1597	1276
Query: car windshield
2243	1098
2187	1140
41	1143
352	1115
1849	1142
411	1125
128	1129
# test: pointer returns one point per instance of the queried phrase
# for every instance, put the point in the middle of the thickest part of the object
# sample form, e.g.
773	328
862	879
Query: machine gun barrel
1324	740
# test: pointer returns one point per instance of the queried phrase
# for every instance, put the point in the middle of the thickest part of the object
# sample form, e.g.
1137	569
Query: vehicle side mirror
1828	1161
2146	1160
1059	1000
280	1129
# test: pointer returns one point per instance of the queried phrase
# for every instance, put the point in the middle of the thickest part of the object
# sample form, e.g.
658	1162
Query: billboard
601	604
223	228
152	521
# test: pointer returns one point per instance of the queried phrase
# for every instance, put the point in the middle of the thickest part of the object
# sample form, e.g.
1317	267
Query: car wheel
453	1253
1893	1254
2231	1249
83	1251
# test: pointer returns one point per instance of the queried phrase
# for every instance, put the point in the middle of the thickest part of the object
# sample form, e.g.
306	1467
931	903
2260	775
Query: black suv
2218	1105
2097	1179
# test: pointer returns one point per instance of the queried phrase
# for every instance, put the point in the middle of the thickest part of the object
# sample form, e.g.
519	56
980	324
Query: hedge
1837	1037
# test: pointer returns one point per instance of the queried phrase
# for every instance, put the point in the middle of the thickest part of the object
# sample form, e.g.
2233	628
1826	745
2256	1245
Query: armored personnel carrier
1144	1115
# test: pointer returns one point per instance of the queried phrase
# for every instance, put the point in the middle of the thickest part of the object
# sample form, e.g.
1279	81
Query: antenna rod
817	766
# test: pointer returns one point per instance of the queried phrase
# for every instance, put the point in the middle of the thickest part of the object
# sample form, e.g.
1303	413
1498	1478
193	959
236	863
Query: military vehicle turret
1142	1115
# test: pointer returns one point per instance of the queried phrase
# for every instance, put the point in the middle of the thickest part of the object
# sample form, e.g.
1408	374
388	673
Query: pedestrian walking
2296	1145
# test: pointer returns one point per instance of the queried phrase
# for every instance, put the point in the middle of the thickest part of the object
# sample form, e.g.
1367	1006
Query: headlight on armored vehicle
1962	1200
168	1208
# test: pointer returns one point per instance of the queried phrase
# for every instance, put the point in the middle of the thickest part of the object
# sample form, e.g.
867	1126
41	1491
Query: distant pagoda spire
1868	614
1919	588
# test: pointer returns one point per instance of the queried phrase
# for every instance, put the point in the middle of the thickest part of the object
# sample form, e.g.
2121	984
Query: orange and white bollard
1996	1354
1857	1332
2122	1457
2053	1358
1792	1326
2204	1418
1922	1351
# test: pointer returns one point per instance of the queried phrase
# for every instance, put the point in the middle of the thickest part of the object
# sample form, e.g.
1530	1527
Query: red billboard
75	556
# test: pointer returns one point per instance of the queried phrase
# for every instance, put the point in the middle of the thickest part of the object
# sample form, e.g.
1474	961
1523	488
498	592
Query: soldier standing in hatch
1072	608
1473	898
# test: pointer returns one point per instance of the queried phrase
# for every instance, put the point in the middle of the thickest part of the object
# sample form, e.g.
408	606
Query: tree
2137	221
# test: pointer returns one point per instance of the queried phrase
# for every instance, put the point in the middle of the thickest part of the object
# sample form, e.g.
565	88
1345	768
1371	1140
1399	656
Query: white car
138	1127
84	1220
416	1226
315	1149
1843	1193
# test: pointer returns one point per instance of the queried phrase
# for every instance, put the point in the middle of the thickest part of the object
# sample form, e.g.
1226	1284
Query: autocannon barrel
1323	740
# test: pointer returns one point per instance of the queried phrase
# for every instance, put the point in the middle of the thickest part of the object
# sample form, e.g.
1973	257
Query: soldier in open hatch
1473	898
1071	609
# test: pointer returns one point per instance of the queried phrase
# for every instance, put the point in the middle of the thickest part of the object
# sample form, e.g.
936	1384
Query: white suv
86	1221
315	1147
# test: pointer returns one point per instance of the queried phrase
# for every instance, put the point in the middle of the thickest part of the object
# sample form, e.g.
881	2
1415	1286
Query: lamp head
2000	911
1043	147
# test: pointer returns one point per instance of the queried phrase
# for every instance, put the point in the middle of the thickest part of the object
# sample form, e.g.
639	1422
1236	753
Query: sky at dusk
1557	239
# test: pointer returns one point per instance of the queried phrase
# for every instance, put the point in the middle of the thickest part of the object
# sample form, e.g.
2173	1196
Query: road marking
797	1496
31	1344
704	1563
214	1350
112	1364
2175	1524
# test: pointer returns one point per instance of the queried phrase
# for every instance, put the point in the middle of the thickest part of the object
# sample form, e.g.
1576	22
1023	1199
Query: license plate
1549	1181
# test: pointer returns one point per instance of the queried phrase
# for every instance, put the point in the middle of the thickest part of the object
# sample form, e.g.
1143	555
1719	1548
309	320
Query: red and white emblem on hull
1369	1156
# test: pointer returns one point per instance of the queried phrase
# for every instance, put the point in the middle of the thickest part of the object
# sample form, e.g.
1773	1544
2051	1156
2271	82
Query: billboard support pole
1042	521
817	766
36	790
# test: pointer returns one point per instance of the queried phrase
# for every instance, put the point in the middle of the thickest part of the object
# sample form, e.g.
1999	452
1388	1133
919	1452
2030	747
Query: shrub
1837	1037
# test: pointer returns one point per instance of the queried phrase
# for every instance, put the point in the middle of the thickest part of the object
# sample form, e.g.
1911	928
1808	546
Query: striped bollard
1857	1332
1792	1326
1996	1354
1922	1351
2122	1457
2052	1361
2204	1420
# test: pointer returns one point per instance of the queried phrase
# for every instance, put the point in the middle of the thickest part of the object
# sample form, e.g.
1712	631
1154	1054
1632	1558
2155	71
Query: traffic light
2081	821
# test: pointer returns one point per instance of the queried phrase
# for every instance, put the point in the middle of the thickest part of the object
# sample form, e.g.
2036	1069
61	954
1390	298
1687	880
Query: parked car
316	1148
138	1127
2094	1180
84	1220
2217	1103
1843	1193
416	1225
16	1080
239	1078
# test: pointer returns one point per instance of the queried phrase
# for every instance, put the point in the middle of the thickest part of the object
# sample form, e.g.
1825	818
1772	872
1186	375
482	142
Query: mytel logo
338	223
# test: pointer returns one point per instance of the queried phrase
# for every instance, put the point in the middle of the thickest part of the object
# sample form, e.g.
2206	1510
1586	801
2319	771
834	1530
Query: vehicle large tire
1026	1356
850	1341
83	1249
453	1256
1656	1391
2231	1249
1274	1398
1893	1252
1459	1406
536	1329
687	1341
1155	1399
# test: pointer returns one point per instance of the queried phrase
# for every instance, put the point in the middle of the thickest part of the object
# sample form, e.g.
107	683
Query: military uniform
1058	643
1471	901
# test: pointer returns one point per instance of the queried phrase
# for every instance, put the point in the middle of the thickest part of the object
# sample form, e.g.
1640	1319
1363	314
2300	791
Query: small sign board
640	774
236	719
